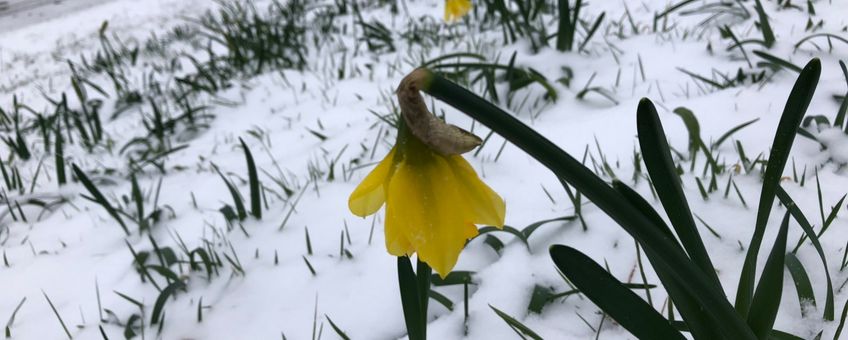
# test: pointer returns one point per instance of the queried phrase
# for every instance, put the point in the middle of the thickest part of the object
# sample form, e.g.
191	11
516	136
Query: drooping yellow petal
370	195
488	207
455	9
397	227
454	216
434	216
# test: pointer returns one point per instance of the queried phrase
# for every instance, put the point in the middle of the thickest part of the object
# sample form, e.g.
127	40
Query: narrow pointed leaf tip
793	113
619	302
660	166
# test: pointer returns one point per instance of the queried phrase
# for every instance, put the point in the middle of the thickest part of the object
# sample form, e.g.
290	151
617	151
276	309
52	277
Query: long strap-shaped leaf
793	113
811	234
803	286
620	303
618	208
658	162
699	322
766	301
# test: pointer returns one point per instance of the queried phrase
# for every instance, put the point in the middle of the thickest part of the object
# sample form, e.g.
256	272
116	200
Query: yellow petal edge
370	195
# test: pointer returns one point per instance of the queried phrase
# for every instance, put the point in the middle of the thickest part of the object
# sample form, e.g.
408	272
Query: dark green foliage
796	107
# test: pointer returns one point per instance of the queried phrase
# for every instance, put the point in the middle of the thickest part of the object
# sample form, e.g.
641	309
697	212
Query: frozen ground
316	133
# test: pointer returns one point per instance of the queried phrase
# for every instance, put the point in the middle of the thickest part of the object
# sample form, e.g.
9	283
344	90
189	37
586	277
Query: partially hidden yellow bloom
432	202
455	9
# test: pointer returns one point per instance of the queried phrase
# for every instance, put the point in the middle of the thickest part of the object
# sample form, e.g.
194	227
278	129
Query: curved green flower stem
442	137
670	257
423	272
414	296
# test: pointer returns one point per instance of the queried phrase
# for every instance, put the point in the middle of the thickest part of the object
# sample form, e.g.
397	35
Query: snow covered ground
315	133
21	13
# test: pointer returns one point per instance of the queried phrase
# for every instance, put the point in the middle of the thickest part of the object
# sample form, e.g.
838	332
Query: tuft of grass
257	41
97	197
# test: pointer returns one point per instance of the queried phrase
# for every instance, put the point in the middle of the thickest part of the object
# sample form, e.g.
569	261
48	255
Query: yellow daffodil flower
455	9
433	202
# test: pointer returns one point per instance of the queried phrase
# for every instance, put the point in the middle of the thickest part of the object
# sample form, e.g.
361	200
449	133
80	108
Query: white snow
77	250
